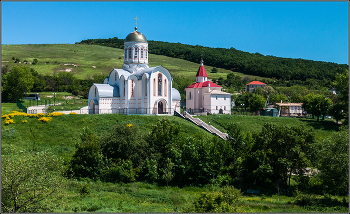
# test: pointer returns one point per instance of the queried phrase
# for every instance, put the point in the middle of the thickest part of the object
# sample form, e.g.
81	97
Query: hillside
86	60
239	61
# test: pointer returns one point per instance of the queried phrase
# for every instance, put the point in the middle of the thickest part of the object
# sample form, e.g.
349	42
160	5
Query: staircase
211	129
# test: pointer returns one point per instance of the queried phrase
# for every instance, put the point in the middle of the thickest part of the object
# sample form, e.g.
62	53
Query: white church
204	96
136	88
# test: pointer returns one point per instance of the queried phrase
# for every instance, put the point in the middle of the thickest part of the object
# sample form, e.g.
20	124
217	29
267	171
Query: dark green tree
87	160
334	163
16	83
256	102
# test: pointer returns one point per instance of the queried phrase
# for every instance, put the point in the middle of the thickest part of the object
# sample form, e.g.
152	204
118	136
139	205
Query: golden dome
135	37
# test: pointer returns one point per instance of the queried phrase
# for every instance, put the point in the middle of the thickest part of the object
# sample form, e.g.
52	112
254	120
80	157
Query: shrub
85	190
213	203
120	172
218	201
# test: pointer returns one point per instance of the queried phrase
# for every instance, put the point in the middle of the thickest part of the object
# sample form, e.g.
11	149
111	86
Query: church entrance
221	111
92	107
160	107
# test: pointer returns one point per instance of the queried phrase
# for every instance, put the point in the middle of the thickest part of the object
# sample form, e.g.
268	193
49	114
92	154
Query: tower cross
136	21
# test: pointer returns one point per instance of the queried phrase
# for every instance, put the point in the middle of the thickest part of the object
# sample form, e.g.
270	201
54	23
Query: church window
136	50
154	86
132	87
129	53
216	97
145	87
124	87
95	92
216	108
116	76
224	98
160	84
141	53
224	107
146	53
189	97
125	53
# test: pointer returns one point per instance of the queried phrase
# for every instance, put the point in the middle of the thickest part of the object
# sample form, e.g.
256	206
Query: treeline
266	160
22	79
239	61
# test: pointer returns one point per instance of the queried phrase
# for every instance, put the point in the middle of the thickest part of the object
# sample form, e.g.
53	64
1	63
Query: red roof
203	84
256	83
201	72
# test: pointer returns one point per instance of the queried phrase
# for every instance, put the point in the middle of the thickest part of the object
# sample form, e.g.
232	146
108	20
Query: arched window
129	53
146	53
132	87
116	76
165	87
136	50
159	84
154	86
145	87
141	53
124	88
189	97
125	53
95	91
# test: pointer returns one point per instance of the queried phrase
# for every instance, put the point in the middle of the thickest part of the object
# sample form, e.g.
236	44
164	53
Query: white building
204	96
136	88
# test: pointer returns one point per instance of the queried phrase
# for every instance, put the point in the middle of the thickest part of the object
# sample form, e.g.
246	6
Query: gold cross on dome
136	21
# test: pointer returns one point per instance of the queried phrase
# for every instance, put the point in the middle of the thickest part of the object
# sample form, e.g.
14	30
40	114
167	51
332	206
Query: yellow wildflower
45	119
129	126
24	121
73	112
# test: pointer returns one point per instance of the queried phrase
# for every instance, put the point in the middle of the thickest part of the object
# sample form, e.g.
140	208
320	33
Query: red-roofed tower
201	75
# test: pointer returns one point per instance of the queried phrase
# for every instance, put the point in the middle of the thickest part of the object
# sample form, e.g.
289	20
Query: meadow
86	60
59	136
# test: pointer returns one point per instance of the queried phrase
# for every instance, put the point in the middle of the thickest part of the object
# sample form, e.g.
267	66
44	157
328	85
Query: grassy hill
87	60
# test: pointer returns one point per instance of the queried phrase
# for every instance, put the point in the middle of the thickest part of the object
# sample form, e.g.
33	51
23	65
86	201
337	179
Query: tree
30	183
87	160
334	163
256	102
16	83
214	70
35	61
342	86
316	104
280	150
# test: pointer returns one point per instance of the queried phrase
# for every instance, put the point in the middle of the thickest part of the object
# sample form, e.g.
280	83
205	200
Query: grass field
59	136
87	60
322	129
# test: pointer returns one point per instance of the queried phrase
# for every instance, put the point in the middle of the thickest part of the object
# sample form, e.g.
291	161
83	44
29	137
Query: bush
213	202
120	172
85	190
87	161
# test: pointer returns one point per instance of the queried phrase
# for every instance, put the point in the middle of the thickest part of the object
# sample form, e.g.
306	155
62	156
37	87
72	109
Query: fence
131	111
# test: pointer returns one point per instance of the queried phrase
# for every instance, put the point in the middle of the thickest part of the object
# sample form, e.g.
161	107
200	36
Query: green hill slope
60	134
87	60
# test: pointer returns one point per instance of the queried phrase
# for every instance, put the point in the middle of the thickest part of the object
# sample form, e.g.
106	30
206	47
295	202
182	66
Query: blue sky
308	30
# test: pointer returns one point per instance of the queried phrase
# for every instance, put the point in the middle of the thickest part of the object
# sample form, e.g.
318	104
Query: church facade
136	88
204	96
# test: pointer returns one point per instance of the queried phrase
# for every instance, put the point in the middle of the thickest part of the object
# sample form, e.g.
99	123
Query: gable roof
256	83
203	84
201	72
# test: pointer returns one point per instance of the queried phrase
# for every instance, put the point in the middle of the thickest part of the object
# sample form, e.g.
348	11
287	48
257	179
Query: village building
250	87
204	96
136	88
290	109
